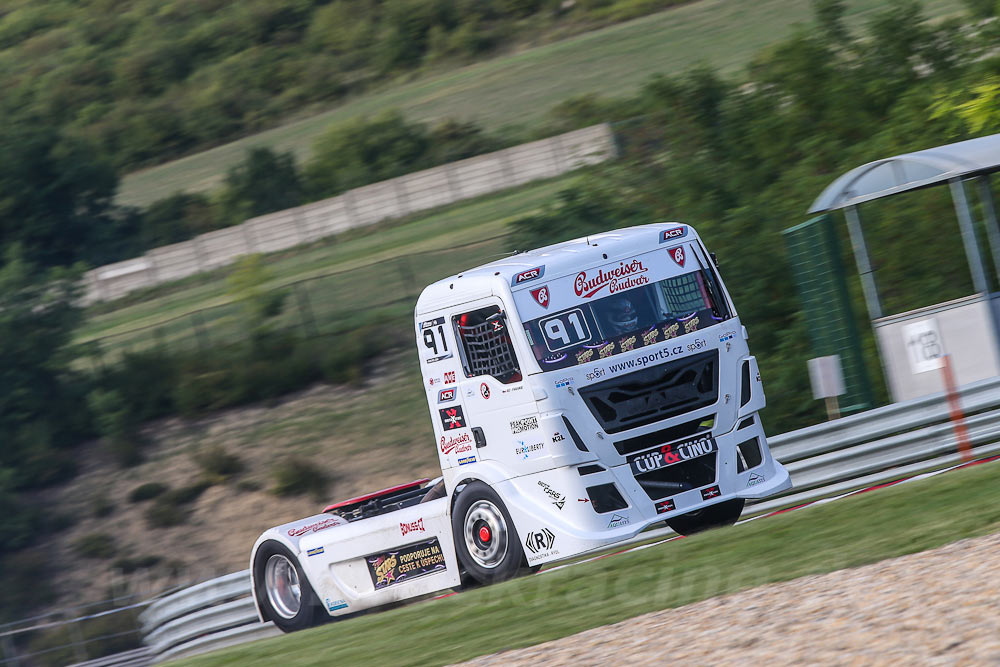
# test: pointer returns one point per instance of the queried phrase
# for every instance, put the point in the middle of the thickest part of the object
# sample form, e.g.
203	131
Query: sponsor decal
729	335
665	506
524	424
314	551
466	460
484	389
530	274
667	455
618	520
433	381
452	418
623	277
650	336
525	449
446	395
431	323
441	357
558	499
459	445
565	382
400	565
698	344
334	605
584	356
449	377
583	500
412	526
691	325
606	351
511	390
677	254
671	331
628	344
316	527
672	233
540	541
755	479
557	437
710	492
541	296
594	374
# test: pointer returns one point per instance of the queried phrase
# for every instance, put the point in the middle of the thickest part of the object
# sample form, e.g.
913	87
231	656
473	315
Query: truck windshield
627	320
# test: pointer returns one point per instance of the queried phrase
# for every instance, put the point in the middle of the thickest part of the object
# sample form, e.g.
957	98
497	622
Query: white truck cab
579	393
598	386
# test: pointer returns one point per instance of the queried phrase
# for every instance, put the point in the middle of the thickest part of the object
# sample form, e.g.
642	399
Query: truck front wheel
486	541
283	591
722	514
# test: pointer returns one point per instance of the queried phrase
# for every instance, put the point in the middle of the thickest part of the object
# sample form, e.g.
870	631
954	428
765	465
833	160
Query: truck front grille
655	393
679	477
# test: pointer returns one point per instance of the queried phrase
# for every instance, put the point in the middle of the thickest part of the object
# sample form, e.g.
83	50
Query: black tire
275	602
490	550
721	514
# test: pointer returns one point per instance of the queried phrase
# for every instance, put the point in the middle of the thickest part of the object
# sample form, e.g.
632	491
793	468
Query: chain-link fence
319	306
73	634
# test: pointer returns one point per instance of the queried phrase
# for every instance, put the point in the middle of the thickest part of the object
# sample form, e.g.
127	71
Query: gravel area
938	607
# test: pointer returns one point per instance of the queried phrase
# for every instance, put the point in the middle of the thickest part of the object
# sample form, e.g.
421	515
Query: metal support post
864	265
990	220
968	235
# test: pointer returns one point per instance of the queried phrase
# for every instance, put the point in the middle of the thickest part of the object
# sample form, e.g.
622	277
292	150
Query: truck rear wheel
282	589
486	541
721	514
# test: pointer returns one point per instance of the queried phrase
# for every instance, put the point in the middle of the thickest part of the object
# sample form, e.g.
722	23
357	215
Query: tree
265	182
55	194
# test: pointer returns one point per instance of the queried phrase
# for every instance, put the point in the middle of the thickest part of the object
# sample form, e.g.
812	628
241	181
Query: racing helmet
622	315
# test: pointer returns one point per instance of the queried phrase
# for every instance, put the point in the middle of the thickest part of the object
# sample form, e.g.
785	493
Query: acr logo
446	395
671	234
530	274
677	254
541	296
541	540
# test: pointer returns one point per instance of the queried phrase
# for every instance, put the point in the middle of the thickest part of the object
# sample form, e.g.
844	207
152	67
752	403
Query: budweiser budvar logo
316	527
626	276
412	527
458	445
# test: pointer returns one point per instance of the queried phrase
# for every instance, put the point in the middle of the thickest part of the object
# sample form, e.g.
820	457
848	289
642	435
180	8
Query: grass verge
852	532
520	88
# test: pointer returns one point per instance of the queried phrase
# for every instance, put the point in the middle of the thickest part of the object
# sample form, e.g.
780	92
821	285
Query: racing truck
579	393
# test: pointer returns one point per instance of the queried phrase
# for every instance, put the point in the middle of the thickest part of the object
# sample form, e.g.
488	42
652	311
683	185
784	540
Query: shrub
130	565
295	476
95	545
147	491
102	506
168	509
218	463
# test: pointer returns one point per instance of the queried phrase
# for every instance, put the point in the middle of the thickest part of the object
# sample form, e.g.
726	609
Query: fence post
199	331
9	654
305	309
406	273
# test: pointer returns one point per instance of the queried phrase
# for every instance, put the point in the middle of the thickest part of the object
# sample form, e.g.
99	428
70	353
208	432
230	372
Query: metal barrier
867	448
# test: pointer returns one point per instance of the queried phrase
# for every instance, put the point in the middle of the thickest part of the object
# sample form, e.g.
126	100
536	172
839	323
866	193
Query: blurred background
171	374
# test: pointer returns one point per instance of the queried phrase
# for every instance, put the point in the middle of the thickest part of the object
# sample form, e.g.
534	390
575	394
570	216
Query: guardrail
853	452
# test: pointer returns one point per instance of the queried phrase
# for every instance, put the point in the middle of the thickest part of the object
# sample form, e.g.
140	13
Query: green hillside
519	89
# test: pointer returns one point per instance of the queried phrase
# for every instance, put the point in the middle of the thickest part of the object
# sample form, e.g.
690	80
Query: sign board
826	377
924	349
